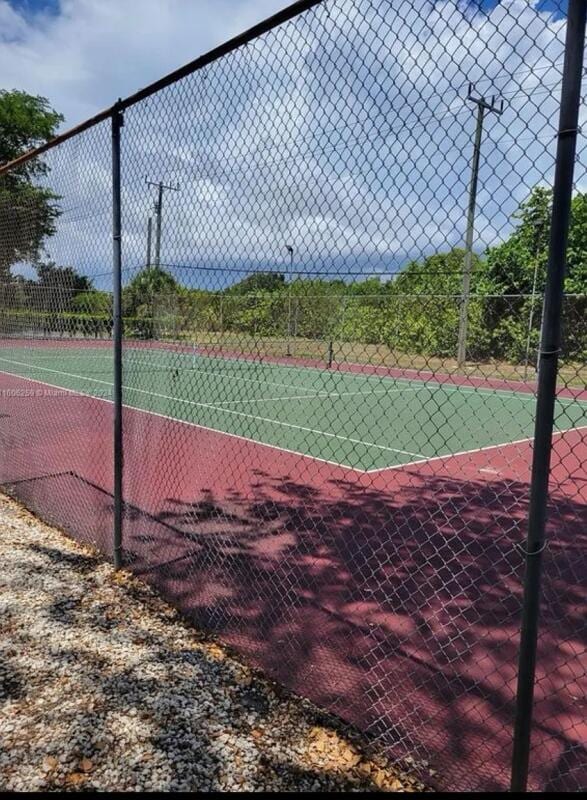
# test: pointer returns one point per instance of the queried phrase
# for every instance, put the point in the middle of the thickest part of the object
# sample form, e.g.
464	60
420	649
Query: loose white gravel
103	687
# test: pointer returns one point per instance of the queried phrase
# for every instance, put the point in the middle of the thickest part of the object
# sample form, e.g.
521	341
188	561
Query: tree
57	287
576	281
258	282
27	211
516	277
91	313
152	293
318	307
513	265
425	304
146	288
92	303
362	312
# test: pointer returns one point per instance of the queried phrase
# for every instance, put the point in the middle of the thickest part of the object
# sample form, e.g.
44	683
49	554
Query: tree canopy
28	211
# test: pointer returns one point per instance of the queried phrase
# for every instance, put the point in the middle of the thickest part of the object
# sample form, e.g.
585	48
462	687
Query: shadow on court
400	615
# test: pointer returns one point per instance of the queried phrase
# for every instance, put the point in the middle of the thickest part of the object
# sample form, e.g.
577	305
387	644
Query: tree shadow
398	611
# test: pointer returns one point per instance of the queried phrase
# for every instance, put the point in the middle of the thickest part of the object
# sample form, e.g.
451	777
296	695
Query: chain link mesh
55	262
310	470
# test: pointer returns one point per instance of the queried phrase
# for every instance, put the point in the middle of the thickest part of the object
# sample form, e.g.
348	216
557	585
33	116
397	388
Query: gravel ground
104	687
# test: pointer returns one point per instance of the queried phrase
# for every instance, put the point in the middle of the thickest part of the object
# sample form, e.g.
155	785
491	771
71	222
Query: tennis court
362	422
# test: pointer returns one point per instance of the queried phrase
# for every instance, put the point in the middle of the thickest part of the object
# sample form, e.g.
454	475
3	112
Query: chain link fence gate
302	461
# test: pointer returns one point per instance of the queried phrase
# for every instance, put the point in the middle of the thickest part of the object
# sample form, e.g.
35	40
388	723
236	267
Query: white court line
469	452
319	396
413	385
213	407
424	384
222	403
131	363
269	420
188	370
416	385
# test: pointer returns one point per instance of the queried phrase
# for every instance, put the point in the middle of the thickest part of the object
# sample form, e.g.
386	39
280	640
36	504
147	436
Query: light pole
290	250
483	105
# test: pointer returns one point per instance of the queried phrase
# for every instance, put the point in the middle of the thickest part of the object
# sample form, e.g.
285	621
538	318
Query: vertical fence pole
547	375
117	123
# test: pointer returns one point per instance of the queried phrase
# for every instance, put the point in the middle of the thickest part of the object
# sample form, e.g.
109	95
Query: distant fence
385	327
318	367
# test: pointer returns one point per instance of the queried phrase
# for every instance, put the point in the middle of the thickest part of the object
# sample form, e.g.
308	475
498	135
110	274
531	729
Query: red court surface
392	599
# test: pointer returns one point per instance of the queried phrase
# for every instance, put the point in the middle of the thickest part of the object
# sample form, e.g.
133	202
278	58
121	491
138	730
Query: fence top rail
266	25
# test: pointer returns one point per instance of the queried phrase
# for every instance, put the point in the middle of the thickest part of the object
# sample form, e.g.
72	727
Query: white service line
423	384
429	384
130	363
420	458
320	396
279	448
271	421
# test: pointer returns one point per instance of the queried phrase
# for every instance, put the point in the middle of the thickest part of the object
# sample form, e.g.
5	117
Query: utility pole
161	187
290	250
483	105
149	237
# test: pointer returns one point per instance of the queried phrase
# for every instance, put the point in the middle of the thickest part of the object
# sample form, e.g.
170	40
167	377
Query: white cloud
12	26
347	132
94	51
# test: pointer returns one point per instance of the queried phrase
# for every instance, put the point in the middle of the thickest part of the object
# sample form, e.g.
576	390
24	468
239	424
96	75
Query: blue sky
360	171
29	7
32	7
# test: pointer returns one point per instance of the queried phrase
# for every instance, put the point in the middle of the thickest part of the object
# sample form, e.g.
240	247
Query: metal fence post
117	123
547	376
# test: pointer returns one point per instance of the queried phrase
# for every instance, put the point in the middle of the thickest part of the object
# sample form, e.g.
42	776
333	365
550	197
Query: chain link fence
335	244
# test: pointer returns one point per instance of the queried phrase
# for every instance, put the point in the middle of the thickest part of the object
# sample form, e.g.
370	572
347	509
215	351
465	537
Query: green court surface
365	422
